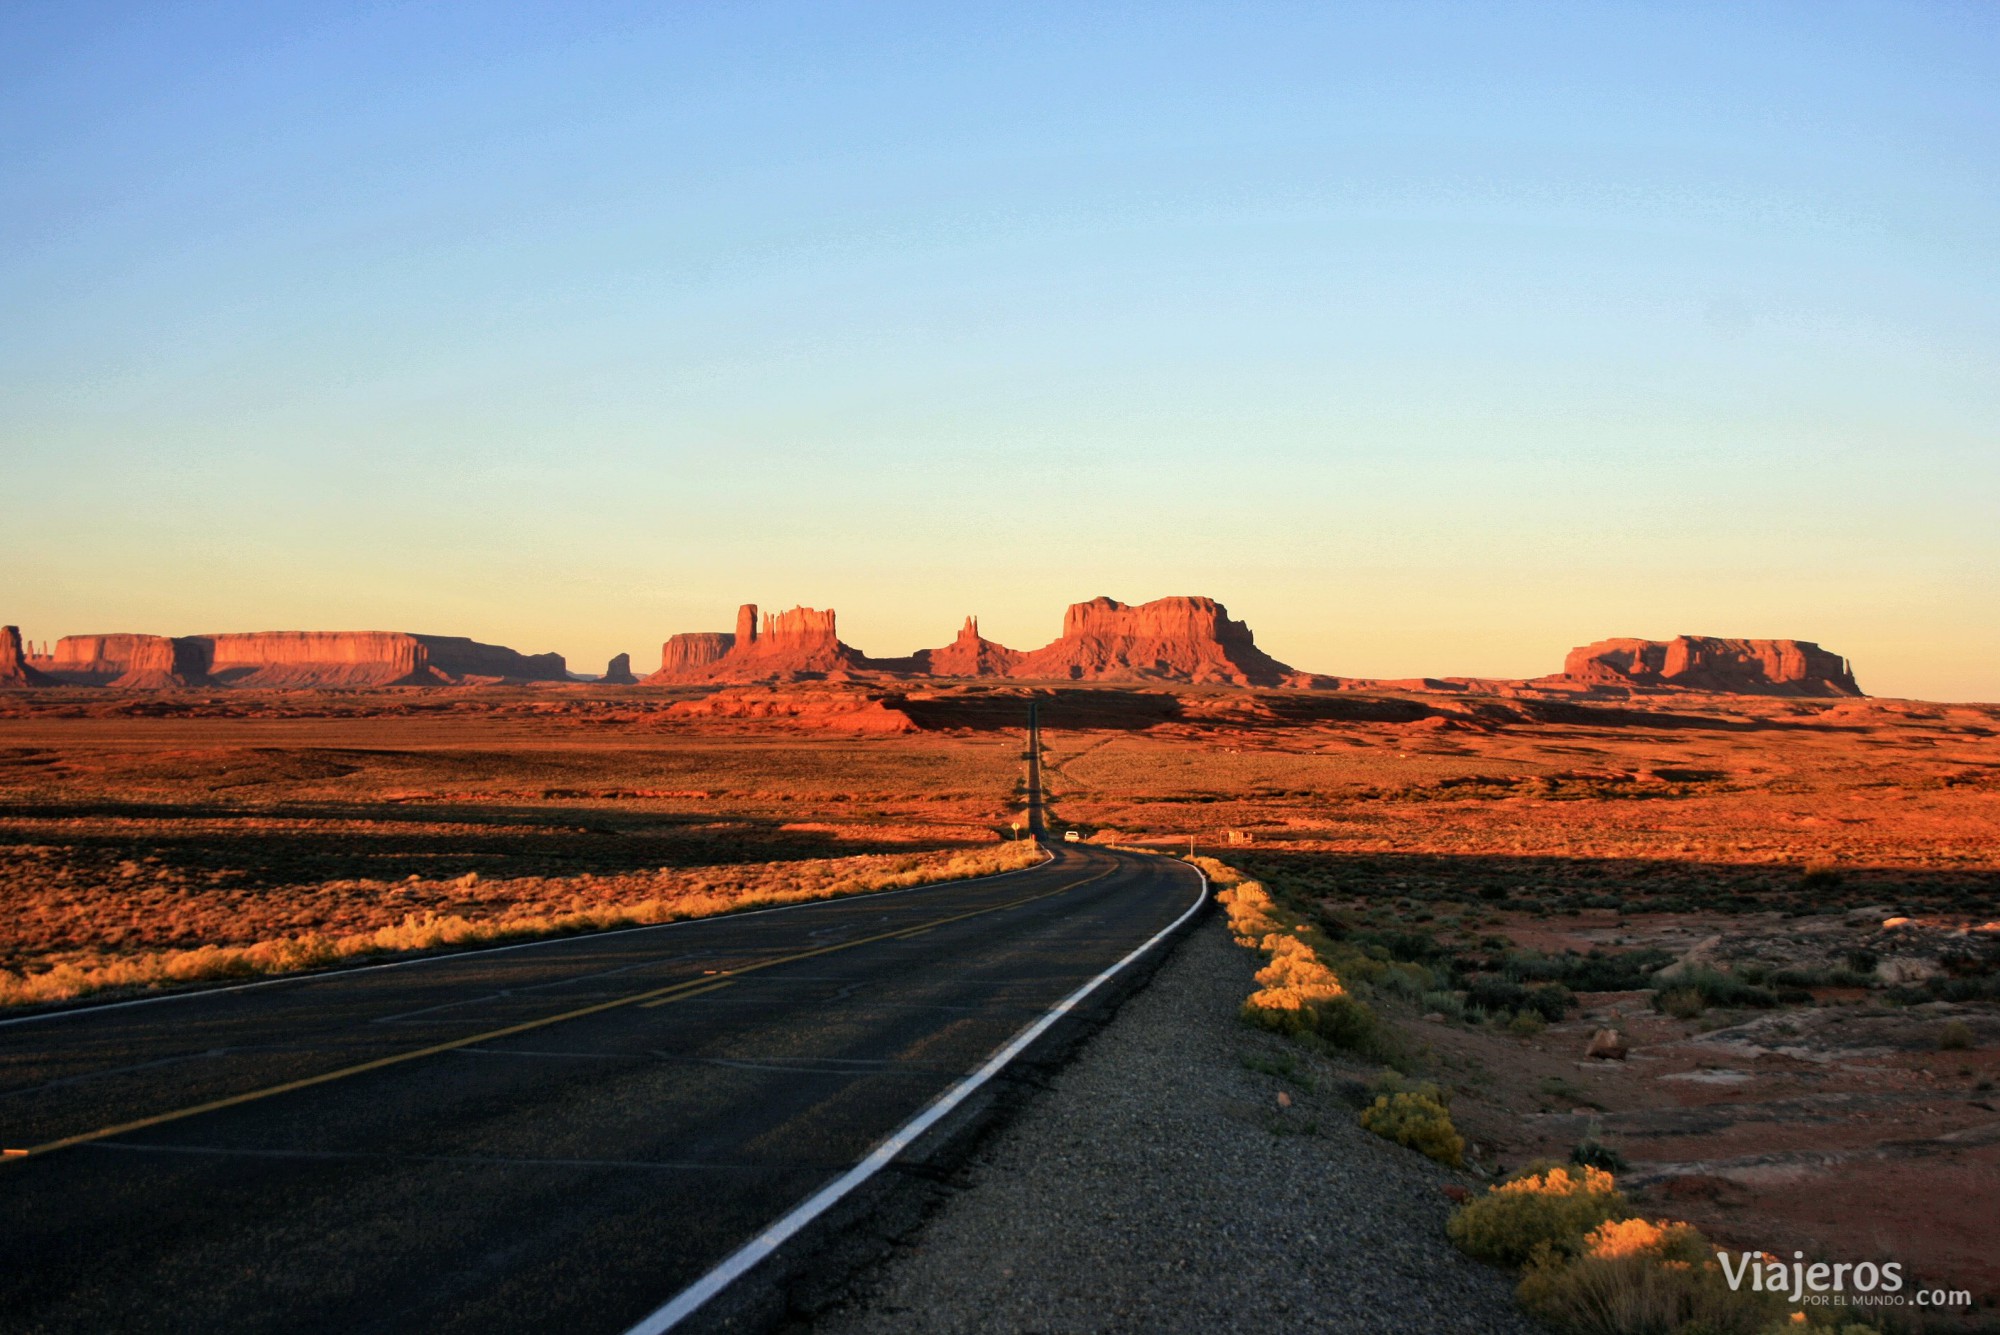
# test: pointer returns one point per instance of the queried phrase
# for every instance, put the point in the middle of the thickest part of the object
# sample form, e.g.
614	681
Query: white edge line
684	1304
442	955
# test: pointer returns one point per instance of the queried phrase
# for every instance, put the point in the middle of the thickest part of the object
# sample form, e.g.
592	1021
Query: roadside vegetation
1591	1266
1588	1263
1316	989
672	899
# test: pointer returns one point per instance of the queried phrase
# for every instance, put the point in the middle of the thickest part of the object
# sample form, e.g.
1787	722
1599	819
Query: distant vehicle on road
1072	837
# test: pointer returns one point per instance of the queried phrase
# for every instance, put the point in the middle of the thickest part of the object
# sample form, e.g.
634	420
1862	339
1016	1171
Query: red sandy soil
1788	828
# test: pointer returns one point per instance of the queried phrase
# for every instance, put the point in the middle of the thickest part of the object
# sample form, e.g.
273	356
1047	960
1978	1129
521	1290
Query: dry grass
750	887
153	839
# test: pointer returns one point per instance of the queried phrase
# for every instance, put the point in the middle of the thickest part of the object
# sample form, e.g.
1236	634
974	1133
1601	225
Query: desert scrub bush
1448	1004
1416	1122
1635	1277
1682	1003
1251	912
1715	987
1299	994
1412	982
1955	1036
1417	1117
1592	1152
1547	1206
1495	995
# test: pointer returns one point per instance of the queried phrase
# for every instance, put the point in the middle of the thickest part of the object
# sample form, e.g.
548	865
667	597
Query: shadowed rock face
970	655
1703	663
1168	639
291	659
14	669
618	672
684	656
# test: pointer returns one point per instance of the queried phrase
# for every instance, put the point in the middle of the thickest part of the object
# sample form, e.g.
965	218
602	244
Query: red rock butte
1169	639
287	658
1188	640
14	667
1702	663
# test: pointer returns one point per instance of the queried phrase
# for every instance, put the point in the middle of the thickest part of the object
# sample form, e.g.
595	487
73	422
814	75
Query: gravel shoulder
1159	1185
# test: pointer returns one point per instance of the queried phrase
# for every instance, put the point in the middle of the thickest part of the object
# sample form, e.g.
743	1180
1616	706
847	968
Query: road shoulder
1158	1184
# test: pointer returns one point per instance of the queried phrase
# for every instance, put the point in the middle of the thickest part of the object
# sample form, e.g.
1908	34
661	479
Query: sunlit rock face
291	658
1168	639
1705	663
801	642
970	655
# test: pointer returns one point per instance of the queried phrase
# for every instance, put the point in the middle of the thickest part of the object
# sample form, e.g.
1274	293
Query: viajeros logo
1843	1283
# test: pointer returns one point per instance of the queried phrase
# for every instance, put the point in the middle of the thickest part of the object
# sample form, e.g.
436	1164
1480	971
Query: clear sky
1429	338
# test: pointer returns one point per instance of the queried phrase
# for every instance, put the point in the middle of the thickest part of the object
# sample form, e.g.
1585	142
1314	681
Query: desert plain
1786	908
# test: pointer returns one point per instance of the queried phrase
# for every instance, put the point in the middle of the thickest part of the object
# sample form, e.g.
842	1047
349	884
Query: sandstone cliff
142	661
970	655
685	655
800	643
292	659
14	668
1168	639
1704	663
618	672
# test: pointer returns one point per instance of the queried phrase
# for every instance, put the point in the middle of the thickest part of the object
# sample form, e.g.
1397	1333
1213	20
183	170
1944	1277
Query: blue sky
1431	339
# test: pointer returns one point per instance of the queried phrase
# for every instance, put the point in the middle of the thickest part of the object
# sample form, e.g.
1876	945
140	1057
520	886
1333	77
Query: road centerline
652	996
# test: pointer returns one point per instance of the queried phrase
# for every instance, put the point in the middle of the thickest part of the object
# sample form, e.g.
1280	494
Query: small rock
1606	1045
1284	1099
1457	1194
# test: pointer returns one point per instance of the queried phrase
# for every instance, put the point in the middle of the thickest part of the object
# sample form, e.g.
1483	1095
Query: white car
1072	837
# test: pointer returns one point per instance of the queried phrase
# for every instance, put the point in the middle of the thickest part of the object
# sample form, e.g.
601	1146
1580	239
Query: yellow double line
657	997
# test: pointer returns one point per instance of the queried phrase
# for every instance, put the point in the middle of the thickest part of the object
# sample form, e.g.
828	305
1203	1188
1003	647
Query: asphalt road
555	1137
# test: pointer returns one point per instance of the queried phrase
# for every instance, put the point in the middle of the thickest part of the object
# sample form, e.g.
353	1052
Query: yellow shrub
1251	911
1639	1278
1419	1121
1553	1208
1299	994
1617	1238
1295	977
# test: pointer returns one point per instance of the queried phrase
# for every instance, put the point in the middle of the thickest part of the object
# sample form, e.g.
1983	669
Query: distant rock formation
800	643
683	657
14	668
1703	663
1168	639
291	659
970	655
618	672
145	662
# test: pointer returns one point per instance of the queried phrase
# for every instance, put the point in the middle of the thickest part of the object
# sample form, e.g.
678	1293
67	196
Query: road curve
563	1135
